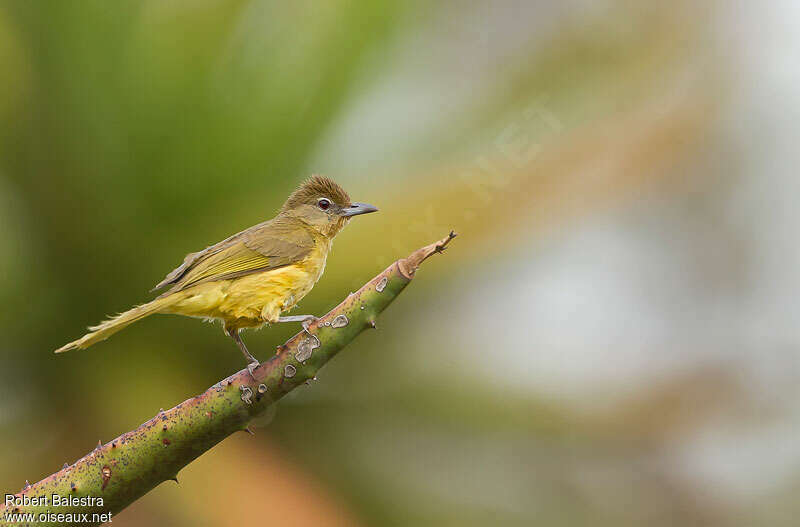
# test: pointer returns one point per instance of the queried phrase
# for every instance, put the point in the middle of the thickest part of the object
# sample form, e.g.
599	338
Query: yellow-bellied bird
249	279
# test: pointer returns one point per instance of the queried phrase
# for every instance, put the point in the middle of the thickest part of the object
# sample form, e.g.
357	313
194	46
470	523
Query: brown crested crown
314	188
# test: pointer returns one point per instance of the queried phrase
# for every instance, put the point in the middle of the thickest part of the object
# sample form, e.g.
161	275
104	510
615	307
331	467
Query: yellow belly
251	300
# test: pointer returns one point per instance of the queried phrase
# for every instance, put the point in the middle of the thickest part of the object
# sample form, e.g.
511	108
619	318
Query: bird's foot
311	319
305	321
251	366
252	362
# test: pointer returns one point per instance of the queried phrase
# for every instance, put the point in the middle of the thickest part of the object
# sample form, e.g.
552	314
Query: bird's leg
306	320
252	362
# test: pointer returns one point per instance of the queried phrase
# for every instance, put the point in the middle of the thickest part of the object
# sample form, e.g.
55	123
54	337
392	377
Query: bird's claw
251	367
307	322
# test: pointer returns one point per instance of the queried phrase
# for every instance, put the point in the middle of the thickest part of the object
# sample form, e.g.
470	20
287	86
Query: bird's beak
358	208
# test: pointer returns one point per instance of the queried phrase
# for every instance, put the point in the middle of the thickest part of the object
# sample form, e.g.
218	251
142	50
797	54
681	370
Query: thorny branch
126	468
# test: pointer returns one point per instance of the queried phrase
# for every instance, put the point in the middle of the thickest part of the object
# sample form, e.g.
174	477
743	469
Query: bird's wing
261	248
193	259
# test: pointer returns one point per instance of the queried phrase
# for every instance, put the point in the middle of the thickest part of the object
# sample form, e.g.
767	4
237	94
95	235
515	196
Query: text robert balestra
54	500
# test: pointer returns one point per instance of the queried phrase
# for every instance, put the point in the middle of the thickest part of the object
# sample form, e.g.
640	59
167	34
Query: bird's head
322	204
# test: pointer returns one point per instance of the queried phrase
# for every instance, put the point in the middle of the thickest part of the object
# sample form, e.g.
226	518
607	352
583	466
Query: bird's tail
105	329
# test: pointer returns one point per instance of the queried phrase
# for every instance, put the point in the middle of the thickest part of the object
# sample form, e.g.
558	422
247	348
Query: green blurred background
611	340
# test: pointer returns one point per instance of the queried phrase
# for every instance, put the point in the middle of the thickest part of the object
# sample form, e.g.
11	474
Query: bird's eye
324	203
